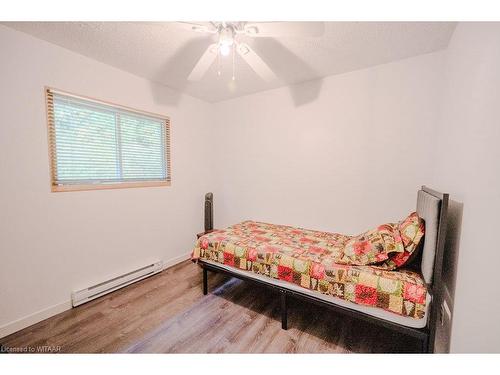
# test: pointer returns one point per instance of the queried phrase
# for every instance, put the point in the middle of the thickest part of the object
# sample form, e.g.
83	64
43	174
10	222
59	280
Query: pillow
373	246
411	230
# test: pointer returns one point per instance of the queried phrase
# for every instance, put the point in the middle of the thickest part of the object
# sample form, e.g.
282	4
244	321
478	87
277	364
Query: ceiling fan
229	43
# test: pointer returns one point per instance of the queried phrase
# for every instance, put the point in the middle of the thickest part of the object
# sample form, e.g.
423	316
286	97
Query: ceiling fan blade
205	27
203	63
284	29
255	62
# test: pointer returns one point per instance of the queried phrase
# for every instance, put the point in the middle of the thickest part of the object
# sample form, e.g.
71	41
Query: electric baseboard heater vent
95	291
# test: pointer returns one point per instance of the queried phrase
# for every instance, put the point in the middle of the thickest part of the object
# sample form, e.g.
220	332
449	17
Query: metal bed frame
426	335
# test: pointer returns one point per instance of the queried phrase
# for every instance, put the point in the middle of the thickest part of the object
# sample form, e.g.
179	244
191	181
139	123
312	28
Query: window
95	145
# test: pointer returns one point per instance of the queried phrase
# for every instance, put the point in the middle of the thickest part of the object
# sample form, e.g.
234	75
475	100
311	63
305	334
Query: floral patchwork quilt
353	268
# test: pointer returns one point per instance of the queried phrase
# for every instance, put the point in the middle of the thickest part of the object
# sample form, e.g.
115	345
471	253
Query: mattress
304	259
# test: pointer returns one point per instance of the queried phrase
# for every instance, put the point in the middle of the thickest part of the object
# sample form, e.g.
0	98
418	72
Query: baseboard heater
95	291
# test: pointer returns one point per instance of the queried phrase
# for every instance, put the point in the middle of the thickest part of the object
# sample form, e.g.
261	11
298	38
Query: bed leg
205	281
425	345
284	312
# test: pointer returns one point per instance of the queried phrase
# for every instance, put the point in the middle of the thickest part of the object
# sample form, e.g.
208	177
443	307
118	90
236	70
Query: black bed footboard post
205	281
284	312
425	345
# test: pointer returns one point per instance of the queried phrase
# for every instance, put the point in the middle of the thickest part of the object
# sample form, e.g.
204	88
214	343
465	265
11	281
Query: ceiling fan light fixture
225	49
226	35
251	30
226	41
244	49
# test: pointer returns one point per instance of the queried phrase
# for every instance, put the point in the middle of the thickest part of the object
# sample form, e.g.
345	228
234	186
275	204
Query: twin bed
390	276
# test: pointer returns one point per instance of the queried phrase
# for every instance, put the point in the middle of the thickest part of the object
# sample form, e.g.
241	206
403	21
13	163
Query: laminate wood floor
167	313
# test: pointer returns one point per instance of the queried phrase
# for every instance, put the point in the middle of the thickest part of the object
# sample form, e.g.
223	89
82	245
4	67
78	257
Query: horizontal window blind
94	143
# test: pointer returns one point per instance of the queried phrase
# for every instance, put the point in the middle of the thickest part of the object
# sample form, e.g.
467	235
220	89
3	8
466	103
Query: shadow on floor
240	317
350	334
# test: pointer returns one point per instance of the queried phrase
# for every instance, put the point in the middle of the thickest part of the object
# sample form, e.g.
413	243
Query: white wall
343	154
467	165
52	243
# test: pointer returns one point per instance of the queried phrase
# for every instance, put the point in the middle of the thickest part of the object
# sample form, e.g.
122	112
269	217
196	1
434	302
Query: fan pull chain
234	57
218	62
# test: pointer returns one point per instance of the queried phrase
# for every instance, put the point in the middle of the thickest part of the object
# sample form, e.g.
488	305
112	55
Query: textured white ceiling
166	52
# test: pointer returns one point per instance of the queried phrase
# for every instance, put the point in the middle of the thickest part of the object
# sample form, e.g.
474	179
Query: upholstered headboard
432	207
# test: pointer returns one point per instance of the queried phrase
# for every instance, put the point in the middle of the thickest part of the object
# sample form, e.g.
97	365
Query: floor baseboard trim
19	324
172	262
36	317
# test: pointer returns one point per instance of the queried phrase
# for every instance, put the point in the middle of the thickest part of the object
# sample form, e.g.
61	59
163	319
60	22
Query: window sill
119	185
